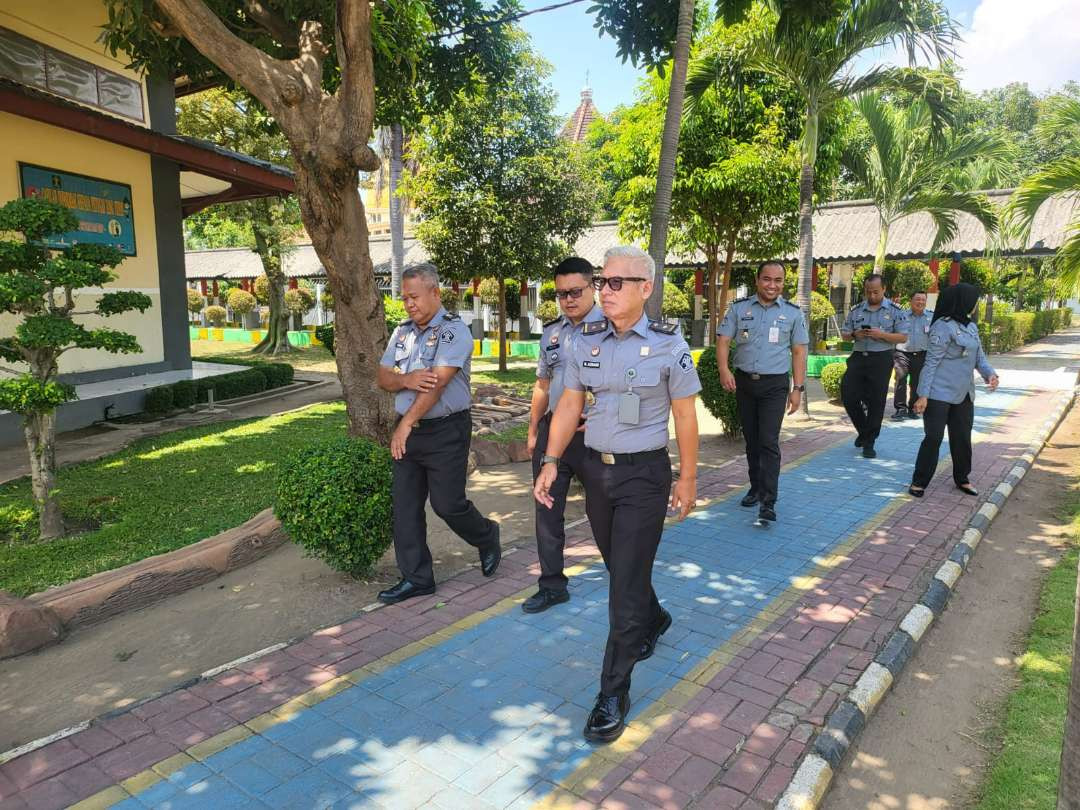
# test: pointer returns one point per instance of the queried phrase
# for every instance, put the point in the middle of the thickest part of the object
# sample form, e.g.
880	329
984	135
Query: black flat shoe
607	719
749	499
868	451
649	647
491	555
968	489
402	591
915	492
767	513
543	599
858	441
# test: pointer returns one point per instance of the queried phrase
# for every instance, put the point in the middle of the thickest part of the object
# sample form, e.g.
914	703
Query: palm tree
391	144
815	45
669	148
1059	123
907	170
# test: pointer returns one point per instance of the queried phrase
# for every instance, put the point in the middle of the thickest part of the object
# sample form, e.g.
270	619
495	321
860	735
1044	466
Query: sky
1033	41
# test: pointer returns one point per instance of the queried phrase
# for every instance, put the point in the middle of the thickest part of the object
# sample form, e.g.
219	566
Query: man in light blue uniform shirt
639	373
876	325
910	356
771	344
574	291
426	366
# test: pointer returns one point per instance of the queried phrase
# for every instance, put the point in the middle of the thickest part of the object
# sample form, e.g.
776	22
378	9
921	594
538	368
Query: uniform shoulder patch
594	327
552	322
663	328
451	316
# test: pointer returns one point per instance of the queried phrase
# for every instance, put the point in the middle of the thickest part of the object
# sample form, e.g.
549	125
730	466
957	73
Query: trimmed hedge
717	400
1010	331
185	393
831	377
325	335
334	500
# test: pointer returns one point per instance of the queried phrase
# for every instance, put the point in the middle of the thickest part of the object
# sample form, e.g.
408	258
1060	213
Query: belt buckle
755	376
607	458
866	354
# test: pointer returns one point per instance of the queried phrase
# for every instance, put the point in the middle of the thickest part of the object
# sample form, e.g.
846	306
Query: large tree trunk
1069	778
502	323
669	148
397	215
806	249
40	431
712	268
725	284
276	341
334	216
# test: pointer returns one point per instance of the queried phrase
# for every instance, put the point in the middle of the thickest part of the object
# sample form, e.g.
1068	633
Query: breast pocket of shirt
955	348
647	381
401	358
427	354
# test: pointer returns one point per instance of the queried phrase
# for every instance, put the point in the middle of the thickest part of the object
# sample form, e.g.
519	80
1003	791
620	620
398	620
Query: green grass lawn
1024	775
307	358
157	495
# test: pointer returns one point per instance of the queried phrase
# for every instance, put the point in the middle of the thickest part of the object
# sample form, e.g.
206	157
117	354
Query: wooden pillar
814	277
954	272
524	326
294	283
935	271
215	288
202	286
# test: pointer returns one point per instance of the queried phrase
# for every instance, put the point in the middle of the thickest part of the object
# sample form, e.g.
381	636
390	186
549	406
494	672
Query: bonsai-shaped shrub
328	300
37	285
195	301
449	299
831	377
299	301
241	301
547	311
547	291
718	401
262	289
215	314
489	294
334	500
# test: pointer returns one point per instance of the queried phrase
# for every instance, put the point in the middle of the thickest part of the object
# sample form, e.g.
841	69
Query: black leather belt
753	376
437	419
628	458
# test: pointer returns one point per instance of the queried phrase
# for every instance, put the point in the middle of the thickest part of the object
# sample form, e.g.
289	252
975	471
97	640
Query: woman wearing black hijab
947	388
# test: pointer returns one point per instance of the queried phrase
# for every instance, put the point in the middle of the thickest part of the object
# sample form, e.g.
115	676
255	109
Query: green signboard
103	208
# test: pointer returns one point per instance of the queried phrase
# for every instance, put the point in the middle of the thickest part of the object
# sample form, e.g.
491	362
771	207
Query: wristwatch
550	459
798	388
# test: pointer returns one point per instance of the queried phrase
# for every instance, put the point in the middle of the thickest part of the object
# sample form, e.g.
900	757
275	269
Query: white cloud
1033	41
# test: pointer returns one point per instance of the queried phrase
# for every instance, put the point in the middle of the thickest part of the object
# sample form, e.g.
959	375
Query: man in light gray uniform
910	357
426	367
574	291
638	372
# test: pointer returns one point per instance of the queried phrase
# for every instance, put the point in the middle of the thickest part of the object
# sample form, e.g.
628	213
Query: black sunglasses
574	292
615	282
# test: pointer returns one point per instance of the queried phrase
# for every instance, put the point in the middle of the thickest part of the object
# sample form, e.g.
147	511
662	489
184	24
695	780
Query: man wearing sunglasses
637	373
574	291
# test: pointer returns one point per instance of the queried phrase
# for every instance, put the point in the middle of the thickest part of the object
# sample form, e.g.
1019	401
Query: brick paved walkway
460	700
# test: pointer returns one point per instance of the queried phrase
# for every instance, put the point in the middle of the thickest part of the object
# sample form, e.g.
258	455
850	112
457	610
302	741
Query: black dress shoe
491	555
916	492
608	718
858	441
900	415
402	591
912	415
649	647
543	599
868	451
968	489
767	513
749	499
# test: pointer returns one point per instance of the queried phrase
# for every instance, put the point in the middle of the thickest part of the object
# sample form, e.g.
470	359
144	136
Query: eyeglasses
615	282
574	293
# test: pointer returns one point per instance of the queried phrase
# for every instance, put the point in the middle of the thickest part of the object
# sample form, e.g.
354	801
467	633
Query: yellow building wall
73	27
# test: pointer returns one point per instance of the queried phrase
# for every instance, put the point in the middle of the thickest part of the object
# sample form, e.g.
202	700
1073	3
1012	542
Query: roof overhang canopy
209	174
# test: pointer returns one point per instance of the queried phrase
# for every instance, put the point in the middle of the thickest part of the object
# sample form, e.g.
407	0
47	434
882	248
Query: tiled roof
578	123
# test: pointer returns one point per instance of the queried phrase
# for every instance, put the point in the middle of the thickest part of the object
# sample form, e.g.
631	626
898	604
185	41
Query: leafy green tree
195	301
230	118
500	194
320	70
818	47
676	304
1059	123
909	169
901	278
40	286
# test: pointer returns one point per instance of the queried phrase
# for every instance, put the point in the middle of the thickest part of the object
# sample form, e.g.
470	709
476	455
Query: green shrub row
831	376
185	393
716	399
1012	330
325	335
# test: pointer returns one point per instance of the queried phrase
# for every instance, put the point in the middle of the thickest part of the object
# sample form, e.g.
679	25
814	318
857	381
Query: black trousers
864	389
907	364
959	420
626	505
435	464
761	405
550	523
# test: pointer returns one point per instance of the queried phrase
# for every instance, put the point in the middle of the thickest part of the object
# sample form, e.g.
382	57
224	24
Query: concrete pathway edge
812	779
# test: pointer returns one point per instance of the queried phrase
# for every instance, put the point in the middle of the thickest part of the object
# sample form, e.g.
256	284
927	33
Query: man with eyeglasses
573	289
637	372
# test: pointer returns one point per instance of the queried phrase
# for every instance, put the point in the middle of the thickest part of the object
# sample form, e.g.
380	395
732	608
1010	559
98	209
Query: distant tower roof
578	123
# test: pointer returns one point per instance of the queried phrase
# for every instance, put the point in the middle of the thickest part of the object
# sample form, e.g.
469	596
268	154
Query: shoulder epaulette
405	322
593	327
552	322
740	300
792	304
451	316
947	318
663	328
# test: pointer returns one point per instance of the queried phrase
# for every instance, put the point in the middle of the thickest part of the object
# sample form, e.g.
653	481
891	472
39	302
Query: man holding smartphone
876	325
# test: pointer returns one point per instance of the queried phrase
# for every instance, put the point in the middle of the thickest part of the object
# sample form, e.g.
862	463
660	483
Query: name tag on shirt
629	408
926	330
774	334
